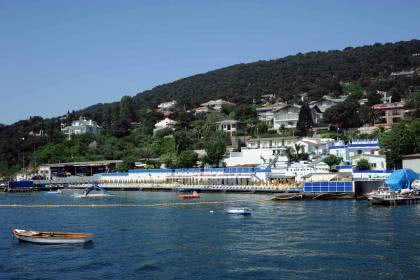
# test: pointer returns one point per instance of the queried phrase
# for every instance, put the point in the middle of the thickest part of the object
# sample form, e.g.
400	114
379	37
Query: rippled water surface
287	240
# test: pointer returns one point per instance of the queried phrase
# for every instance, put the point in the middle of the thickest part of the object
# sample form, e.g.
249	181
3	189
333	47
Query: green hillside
316	73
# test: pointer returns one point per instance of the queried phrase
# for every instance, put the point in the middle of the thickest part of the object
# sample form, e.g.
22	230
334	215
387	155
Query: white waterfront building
355	147
262	152
376	162
299	170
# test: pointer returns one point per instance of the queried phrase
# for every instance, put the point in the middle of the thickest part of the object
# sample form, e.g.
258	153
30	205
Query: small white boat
93	191
239	211
51	237
55	192
92	195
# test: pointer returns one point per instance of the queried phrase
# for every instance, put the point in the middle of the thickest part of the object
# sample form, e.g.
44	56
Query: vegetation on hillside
128	124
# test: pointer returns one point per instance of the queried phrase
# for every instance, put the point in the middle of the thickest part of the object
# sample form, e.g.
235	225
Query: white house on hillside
81	126
216	104
165	123
167	105
326	102
228	126
286	116
266	113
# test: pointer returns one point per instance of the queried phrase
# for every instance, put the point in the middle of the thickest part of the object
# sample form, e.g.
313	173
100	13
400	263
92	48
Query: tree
120	128
363	164
373	98
124	166
413	104
215	149
305	121
366	114
343	115
400	140
187	159
332	161
127	112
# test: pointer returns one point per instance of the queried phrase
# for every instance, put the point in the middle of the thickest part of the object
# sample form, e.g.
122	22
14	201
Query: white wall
412	164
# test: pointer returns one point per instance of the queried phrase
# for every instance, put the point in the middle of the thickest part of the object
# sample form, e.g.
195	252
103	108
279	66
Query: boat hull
393	201
189	196
52	241
54	238
93	195
244	212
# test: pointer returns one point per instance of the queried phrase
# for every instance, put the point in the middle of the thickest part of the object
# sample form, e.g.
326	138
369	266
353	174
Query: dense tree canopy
400	140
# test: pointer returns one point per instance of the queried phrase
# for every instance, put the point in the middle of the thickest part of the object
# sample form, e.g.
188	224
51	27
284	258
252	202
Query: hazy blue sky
57	56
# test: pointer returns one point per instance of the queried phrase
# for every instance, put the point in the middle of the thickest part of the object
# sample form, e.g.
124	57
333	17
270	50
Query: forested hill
315	73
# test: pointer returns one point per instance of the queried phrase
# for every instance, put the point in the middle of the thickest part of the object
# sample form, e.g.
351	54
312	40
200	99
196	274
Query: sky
57	56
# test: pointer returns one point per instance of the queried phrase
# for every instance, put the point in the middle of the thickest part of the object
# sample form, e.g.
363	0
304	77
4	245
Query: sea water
155	239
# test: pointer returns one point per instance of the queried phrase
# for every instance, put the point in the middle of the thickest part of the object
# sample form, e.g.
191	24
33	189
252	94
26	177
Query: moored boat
94	191
397	190
189	196
55	192
239	211
51	237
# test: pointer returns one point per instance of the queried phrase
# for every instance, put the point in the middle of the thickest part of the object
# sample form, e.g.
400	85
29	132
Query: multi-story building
228	126
81	126
388	114
315	147
266	113
286	116
355	147
262	152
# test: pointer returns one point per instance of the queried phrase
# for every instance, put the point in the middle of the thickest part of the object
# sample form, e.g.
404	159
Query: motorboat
55	192
397	189
51	237
189	196
239	211
94	191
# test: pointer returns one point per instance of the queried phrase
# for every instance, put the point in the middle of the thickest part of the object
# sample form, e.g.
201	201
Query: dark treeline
314	73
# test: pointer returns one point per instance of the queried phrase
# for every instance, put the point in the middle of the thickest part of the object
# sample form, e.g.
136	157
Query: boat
239	211
55	192
51	237
94	191
189	196
396	190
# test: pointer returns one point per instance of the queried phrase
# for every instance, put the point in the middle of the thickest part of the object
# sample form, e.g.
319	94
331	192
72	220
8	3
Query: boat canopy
401	179
94	187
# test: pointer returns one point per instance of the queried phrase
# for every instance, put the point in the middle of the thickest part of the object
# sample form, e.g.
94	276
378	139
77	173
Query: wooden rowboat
51	237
